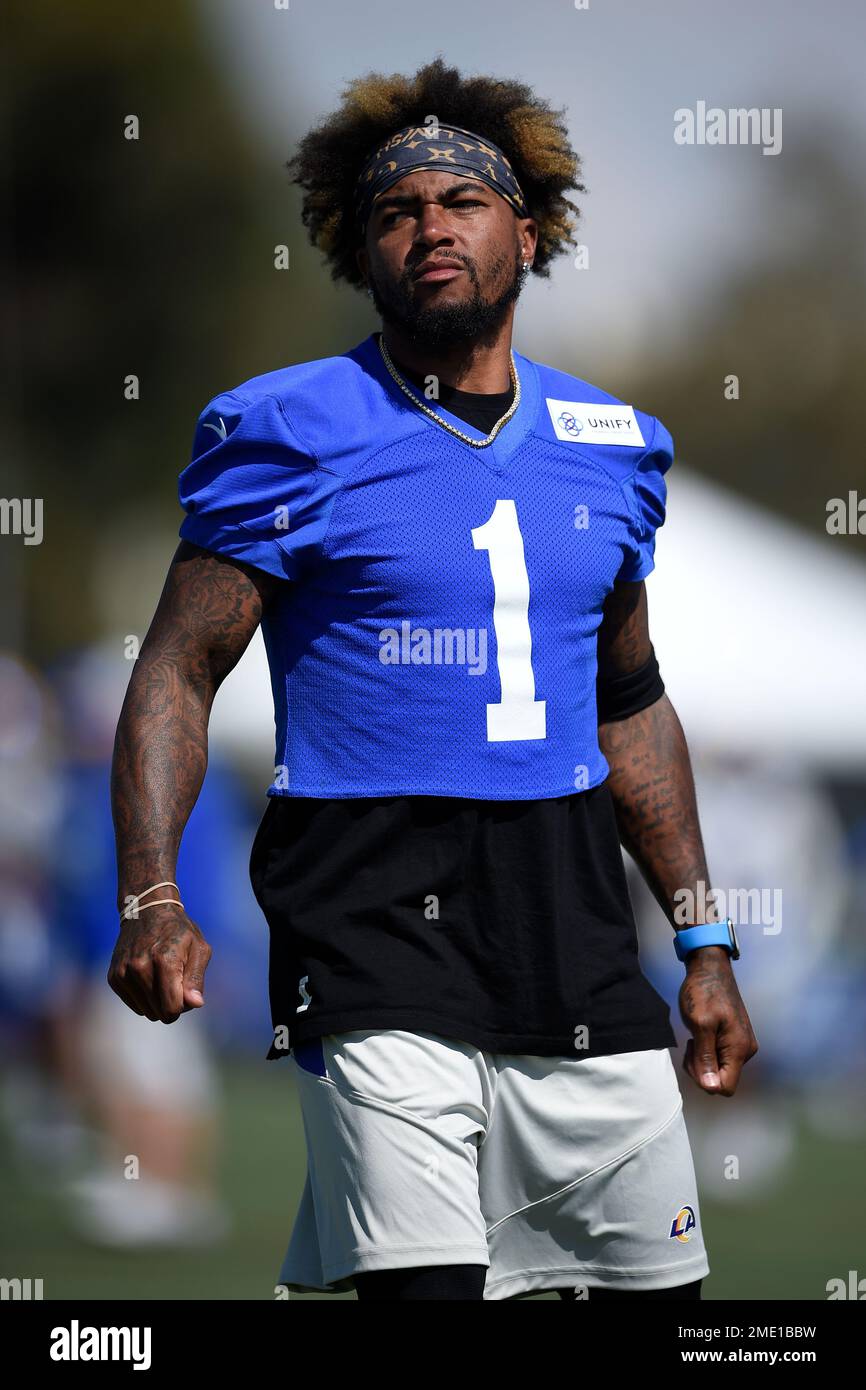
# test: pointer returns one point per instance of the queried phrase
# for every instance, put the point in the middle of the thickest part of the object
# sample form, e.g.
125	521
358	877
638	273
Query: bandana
415	147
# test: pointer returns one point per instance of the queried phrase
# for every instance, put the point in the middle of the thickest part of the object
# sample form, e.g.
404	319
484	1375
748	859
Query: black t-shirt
506	924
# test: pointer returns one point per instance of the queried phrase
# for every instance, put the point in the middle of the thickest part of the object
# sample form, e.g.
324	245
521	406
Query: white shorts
552	1171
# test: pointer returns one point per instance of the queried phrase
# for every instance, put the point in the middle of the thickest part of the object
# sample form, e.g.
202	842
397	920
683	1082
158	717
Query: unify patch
582	422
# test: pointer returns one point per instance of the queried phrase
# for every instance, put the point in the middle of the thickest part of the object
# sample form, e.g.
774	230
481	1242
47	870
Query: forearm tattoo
654	795
207	613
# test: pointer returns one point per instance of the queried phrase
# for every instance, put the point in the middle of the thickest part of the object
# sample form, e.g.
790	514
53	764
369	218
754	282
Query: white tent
759	628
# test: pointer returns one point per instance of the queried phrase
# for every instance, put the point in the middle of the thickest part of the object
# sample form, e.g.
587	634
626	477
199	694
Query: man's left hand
722	1038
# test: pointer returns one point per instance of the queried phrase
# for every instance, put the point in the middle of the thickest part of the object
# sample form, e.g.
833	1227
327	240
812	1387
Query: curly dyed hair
532	135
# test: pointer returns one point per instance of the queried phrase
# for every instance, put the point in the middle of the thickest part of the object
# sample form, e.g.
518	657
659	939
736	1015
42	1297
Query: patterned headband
420	147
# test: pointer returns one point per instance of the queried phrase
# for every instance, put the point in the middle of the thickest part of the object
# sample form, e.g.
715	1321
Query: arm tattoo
207	613
654	797
650	774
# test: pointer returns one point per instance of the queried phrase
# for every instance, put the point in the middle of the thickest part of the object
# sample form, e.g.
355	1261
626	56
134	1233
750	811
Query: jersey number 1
518	714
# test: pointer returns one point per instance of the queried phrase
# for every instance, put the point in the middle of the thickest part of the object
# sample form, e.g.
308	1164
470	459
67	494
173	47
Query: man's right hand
209	608
158	964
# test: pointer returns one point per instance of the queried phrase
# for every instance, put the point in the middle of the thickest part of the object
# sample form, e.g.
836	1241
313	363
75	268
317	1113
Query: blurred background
153	258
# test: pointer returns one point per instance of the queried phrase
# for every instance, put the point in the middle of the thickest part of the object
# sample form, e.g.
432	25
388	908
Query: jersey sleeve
647	494
247	489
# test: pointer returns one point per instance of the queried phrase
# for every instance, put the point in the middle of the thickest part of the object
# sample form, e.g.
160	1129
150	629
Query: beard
453	323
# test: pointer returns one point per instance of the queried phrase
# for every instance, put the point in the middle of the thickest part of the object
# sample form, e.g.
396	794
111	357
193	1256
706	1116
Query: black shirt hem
526	1044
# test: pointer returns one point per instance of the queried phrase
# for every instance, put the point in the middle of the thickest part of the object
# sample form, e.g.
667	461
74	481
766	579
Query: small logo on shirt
683	1224
583	422
570	423
219	429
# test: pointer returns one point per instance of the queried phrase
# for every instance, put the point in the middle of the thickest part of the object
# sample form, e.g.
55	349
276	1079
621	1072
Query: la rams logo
570	423
683	1224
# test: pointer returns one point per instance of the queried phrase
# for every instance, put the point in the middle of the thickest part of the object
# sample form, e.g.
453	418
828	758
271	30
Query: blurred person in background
37	975
153	1101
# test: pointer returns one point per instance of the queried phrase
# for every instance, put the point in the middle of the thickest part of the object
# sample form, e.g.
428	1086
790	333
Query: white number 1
518	714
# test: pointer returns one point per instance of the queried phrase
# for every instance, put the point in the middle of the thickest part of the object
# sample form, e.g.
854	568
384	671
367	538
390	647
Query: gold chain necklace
452	429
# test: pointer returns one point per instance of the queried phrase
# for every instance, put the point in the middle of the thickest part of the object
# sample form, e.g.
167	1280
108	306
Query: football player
445	543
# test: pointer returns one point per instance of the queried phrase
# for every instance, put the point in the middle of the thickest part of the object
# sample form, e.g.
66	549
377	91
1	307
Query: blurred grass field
784	1246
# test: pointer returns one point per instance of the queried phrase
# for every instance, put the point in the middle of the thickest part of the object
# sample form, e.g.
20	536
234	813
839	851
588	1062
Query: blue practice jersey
438	635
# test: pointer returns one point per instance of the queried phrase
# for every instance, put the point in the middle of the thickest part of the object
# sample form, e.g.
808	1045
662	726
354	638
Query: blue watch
708	934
